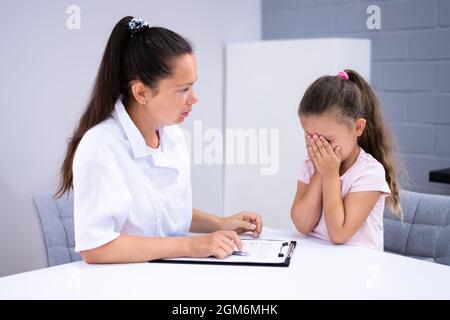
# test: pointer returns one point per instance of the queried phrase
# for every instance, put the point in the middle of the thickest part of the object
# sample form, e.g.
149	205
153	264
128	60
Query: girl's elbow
337	238
301	227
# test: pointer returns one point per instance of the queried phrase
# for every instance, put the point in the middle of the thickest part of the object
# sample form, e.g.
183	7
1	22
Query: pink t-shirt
366	174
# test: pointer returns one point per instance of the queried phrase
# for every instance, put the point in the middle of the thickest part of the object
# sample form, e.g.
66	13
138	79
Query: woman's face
175	95
336	133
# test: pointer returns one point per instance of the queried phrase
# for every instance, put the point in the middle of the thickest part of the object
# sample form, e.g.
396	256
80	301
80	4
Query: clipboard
258	252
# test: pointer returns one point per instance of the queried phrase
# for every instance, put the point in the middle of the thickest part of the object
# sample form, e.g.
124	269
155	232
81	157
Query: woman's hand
219	244
326	160
244	221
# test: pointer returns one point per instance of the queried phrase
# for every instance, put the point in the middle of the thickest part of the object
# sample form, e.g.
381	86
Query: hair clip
343	75
137	24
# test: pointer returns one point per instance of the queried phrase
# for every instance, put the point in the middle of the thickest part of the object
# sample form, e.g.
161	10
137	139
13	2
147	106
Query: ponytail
376	138
134	51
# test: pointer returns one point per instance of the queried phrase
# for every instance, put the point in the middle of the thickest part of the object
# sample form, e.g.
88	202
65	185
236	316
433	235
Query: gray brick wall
410	67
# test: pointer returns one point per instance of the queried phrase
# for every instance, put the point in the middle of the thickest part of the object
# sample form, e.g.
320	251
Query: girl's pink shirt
366	174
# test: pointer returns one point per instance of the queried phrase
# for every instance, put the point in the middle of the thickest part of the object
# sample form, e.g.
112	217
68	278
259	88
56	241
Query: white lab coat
122	186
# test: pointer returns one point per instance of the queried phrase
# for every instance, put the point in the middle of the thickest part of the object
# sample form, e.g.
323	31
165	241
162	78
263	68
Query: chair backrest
55	218
425	230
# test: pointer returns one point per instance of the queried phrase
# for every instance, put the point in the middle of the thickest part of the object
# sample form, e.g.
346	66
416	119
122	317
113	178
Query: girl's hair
354	99
132	53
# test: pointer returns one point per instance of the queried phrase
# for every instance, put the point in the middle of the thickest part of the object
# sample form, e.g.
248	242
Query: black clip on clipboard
279	256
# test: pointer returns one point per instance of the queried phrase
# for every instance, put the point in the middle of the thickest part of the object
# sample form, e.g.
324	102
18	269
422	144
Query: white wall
45	79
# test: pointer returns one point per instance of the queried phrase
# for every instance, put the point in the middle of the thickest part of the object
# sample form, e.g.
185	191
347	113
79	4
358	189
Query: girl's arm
307	205
344	217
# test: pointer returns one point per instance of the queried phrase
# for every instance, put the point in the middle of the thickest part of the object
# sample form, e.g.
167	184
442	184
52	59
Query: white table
318	270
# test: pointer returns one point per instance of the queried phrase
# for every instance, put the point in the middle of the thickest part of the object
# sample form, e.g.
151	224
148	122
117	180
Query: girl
349	171
127	161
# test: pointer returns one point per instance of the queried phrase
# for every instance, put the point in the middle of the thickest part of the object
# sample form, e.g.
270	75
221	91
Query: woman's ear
140	92
359	126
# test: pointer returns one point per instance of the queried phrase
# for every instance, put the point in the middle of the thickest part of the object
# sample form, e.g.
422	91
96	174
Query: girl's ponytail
376	138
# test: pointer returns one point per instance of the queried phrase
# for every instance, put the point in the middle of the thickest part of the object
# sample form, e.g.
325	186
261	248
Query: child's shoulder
368	164
368	174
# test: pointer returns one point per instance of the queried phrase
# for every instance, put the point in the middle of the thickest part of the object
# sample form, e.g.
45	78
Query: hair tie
137	24
343	75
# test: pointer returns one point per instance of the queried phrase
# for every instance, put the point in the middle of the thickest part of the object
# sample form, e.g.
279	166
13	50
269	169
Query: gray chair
425	230
55	218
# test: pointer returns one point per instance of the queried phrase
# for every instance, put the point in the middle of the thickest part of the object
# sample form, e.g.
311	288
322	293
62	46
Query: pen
239	253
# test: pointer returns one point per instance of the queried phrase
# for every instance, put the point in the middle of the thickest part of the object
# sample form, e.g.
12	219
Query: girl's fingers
315	148
319	148
321	142
311	151
326	145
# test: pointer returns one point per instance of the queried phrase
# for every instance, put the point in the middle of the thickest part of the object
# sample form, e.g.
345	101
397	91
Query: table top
318	270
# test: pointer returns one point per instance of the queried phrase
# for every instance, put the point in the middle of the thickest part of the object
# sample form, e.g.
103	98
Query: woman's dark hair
355	99
146	54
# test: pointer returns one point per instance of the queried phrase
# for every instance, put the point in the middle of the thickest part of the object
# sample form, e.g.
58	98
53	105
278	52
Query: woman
127	160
